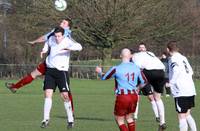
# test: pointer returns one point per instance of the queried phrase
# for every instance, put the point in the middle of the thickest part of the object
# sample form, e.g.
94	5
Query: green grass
93	101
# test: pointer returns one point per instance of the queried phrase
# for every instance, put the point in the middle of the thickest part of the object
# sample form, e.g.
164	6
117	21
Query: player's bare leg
130	122
121	124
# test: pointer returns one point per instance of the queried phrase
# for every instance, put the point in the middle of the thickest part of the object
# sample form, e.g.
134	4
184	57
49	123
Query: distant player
182	87
126	76
153	70
165	60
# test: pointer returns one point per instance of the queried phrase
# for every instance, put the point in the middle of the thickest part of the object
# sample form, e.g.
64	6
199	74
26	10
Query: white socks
47	108
183	125
161	111
191	123
155	108
68	108
48	105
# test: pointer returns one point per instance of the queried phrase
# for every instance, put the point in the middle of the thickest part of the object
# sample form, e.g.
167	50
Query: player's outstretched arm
38	40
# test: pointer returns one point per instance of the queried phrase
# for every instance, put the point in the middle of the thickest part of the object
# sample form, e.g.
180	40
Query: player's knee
129	118
151	97
35	73
48	93
65	96
119	120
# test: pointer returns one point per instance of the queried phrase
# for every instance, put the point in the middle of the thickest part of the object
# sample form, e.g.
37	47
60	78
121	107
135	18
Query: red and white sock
131	126
71	99
123	127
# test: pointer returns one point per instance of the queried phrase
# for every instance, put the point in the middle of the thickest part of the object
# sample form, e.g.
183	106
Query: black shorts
183	104
156	78
147	90
54	78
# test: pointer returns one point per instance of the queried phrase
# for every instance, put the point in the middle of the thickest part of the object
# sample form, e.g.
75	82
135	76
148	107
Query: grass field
93	101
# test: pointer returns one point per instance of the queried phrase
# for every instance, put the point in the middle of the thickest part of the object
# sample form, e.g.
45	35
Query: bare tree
110	24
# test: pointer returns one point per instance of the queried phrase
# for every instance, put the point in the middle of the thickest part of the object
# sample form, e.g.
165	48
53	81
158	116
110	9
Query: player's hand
42	54
98	69
140	86
31	42
167	84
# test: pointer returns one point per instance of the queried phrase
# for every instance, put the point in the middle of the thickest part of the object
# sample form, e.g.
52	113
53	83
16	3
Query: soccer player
182	87
165	59
57	65
153	70
147	91
126	76
40	70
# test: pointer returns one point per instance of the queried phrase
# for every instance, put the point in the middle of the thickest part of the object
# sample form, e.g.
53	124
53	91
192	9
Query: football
60	5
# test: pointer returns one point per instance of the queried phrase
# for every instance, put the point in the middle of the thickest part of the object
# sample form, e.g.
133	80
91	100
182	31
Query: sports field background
93	101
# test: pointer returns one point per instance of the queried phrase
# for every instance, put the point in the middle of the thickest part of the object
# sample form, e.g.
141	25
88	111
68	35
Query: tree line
102	26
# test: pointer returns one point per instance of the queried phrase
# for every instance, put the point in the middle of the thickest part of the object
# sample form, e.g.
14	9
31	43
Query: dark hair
142	43
59	29
69	21
172	46
131	50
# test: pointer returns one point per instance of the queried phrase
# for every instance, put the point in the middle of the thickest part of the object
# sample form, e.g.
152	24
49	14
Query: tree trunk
106	53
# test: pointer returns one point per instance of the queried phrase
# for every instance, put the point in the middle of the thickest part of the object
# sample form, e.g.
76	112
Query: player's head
59	34
142	47
126	54
66	23
172	47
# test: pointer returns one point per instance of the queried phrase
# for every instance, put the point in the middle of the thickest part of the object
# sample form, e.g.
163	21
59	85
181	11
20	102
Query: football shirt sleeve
109	74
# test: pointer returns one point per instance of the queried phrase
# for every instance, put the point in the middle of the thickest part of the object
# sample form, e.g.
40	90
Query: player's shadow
87	118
